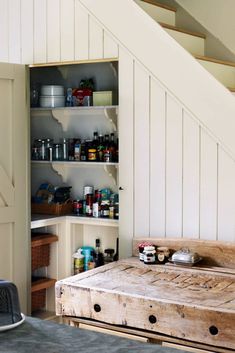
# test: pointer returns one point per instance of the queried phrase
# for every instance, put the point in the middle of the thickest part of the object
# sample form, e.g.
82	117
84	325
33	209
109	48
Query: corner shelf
63	114
60	167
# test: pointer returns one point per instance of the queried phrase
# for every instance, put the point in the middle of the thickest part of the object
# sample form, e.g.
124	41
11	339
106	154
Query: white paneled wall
41	31
177	179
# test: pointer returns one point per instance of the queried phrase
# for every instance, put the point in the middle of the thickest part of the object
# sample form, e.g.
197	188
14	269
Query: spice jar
149	255
162	254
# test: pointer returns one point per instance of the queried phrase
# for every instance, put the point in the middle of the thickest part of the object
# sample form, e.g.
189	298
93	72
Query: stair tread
213	60
155	3
182	30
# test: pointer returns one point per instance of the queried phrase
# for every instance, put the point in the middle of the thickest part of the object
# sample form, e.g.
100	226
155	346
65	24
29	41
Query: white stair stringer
159	14
166	60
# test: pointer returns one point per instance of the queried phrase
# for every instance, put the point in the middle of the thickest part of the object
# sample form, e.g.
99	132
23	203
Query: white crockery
52	90
51	101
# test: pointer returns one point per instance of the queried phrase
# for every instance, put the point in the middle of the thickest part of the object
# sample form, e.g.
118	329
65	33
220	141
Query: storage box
102	98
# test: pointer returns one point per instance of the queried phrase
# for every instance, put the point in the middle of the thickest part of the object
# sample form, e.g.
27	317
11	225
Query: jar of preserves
108	255
149	255
92	155
104	209
162	254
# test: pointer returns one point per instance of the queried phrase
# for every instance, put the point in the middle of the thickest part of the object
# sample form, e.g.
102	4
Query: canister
87	190
88	253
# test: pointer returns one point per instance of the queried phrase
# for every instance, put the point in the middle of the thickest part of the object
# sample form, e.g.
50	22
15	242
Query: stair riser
195	45
159	14
223	73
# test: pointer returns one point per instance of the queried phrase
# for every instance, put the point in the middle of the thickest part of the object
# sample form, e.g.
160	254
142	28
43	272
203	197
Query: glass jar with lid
108	255
104	209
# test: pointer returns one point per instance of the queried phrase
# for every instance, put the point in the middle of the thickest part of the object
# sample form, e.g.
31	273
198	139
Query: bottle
89	204
99	256
83	155
77	150
112	148
65	152
69	98
116	255
100	149
107	152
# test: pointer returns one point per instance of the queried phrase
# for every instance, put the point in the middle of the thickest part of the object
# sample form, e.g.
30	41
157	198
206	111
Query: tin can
87	190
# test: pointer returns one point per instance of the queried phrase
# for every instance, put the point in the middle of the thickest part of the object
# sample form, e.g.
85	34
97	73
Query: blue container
88	253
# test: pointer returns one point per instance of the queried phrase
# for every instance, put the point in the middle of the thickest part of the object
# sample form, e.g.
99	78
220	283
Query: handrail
194	87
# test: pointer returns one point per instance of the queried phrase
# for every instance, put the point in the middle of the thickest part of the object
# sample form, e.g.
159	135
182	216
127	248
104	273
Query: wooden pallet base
143	336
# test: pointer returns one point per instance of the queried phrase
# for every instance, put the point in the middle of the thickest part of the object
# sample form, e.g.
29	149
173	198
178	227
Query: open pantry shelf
63	114
42	283
60	167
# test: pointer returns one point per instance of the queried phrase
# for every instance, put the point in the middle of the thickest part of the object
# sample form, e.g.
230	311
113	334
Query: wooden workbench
195	305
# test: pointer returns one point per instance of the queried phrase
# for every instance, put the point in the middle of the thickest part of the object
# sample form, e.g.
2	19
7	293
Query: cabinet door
14	218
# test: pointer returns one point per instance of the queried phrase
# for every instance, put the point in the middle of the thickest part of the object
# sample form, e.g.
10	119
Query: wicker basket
57	209
38	299
40	256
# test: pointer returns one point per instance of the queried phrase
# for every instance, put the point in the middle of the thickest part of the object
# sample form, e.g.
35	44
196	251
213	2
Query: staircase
193	42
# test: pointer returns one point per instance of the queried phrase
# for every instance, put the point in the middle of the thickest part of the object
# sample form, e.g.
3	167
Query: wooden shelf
42	283
42	239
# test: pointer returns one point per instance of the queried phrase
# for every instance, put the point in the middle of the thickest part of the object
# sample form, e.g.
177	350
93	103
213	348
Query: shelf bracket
111	115
111	170
61	170
61	115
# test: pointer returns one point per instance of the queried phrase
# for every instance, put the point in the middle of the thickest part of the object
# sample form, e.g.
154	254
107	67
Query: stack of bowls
52	96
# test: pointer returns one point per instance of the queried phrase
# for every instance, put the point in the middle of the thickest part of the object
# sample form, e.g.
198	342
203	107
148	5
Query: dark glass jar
162	255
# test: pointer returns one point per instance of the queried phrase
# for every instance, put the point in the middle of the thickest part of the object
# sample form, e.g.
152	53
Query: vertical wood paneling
53	30
208	188
67	30
110	46
173	168
126	152
27	31
4	32
14	32
40	31
191	177
81	33
157	160
226	197
141	150
96	40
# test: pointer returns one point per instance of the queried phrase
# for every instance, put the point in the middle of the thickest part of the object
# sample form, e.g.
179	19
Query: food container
51	101
102	98
141	249
52	90
162	254
185	256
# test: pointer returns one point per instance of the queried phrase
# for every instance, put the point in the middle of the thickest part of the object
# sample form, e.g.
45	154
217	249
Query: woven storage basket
38	299
40	256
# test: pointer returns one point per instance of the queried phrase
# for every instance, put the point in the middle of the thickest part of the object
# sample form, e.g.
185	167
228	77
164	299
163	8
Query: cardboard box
102	98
